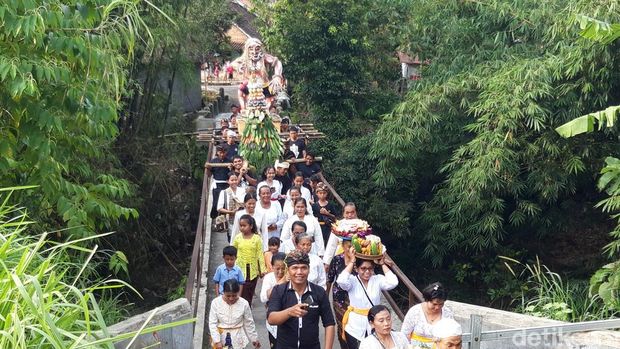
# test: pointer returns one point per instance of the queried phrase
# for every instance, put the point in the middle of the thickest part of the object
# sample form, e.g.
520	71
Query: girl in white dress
364	292
382	336
232	315
230	200
268	180
249	203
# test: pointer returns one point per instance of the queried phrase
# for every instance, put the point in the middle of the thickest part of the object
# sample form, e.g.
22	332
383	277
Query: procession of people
309	273
309	264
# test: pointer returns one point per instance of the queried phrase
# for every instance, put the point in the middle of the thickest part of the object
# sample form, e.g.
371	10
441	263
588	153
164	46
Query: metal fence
551	336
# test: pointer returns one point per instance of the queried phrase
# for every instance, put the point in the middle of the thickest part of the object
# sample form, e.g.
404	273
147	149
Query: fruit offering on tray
348	227
369	245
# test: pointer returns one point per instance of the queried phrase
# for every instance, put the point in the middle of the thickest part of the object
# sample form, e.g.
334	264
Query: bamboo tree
502	76
62	74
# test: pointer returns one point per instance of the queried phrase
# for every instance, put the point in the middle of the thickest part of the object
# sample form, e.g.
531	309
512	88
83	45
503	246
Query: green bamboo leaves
47	301
62	72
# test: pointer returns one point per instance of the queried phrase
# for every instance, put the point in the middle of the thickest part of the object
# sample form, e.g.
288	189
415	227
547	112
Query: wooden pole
229	164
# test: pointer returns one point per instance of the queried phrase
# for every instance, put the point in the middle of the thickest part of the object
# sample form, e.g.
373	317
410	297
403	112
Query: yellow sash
221	330
419	338
345	317
422	339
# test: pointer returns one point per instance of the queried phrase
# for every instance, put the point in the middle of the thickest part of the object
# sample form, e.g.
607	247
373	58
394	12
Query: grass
546	294
45	301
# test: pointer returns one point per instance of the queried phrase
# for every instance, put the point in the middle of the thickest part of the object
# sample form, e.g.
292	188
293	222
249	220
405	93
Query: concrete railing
494	319
177	337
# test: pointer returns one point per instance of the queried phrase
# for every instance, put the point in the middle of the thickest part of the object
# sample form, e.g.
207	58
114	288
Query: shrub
45	301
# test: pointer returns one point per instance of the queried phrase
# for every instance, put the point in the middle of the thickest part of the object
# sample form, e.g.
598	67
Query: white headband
445	328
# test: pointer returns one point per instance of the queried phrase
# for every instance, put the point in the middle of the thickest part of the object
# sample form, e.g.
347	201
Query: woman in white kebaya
382	336
313	228
317	270
364	292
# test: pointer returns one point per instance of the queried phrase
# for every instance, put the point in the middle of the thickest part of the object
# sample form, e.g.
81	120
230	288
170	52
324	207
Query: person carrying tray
364	292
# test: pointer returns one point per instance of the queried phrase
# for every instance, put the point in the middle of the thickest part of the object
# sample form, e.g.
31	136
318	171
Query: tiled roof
244	19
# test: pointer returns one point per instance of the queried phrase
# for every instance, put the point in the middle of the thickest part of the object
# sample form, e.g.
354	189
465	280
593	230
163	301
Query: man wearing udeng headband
295	307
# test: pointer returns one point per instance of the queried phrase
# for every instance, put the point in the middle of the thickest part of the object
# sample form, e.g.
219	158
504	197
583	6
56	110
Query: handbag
221	221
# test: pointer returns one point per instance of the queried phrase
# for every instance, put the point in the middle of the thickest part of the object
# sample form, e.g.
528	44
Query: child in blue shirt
228	270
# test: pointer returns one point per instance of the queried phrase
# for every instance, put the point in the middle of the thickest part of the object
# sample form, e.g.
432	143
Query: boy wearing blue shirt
228	270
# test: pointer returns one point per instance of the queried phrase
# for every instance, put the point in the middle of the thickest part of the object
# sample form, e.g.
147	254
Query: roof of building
244	19
405	58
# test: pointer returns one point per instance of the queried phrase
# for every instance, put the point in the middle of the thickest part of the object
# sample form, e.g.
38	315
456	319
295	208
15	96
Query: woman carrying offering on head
364	292
420	319
382	336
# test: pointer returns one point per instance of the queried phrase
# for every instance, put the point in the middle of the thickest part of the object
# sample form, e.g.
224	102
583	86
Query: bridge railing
195	270
401	302
413	294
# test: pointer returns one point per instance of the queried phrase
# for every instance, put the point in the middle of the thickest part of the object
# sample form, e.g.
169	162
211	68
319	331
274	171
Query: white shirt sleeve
330	249
408	322
345	280
388	282
281	217
369	343
268	282
220	200
248	323
278	187
322	276
261	222
318	236
285	233
305	193
215	334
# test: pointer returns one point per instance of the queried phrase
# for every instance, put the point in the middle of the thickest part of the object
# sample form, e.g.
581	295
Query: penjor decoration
260	139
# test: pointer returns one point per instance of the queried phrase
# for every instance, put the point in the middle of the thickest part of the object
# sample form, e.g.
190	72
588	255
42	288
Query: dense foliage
340	58
502	76
61	77
605	283
167	171
185	34
48	301
339	55
86	89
